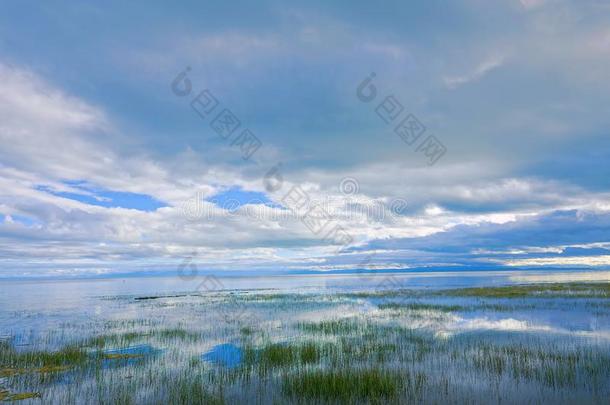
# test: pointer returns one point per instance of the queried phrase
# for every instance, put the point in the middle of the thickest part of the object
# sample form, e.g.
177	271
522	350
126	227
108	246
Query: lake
541	336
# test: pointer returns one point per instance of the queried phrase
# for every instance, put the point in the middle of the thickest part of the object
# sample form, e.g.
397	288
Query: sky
278	136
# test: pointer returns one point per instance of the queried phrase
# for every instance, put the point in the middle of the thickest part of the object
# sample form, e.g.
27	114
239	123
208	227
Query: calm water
162	336
28	308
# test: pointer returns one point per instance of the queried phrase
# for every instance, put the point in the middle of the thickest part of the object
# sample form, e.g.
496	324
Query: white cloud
590	261
49	136
490	63
562	277
532	4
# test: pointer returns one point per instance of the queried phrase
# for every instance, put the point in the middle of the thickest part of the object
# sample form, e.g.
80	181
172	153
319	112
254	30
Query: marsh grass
334	327
310	353
393	293
273	297
447	308
114	339
564	290
555	290
189	389
389	356
422	307
548	365
6	395
343	385
120	356
41	361
176	333
276	355
128	338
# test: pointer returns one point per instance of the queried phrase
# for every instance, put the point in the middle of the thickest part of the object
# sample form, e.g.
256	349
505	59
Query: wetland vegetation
543	343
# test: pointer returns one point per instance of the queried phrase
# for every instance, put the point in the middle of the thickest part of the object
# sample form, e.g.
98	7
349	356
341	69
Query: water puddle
226	354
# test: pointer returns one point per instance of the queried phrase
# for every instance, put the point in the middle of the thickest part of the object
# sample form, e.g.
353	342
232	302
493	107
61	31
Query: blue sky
105	169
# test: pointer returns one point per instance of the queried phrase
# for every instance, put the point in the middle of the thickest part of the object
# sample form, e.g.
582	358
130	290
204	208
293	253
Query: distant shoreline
234	274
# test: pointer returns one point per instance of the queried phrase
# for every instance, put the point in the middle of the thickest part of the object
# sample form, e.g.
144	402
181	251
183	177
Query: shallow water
226	354
31	308
166	330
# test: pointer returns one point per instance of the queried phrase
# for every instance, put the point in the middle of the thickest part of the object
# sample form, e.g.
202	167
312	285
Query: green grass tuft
343	385
68	356
414	306
333	327
565	290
